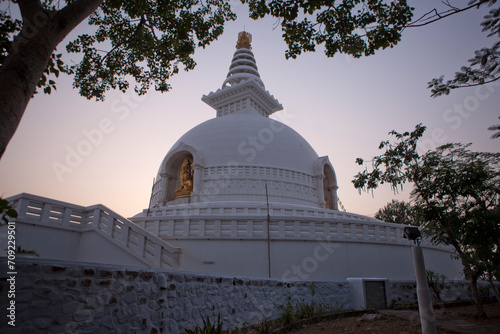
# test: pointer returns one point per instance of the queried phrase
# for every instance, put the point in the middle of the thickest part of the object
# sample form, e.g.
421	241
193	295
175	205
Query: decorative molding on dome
231	99
256	189
258	172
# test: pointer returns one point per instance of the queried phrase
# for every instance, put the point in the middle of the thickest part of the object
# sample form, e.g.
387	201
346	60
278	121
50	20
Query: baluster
66	216
45	217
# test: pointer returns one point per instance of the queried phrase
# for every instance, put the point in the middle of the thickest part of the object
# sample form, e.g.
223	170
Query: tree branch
136	32
29	8
440	15
74	13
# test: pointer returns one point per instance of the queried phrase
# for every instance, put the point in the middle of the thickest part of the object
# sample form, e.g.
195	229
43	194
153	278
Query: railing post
67	216
111	225
22	208
45	212
124	238
141	244
96	218
157	255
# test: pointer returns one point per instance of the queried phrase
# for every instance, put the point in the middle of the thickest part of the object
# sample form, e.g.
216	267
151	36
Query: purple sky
343	106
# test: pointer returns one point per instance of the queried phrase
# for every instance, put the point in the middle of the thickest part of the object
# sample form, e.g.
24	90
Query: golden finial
244	40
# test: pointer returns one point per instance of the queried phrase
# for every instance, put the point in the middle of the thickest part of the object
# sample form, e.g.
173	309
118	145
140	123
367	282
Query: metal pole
268	237
427	319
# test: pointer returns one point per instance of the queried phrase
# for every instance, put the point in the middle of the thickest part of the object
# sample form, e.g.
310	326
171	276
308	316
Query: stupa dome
242	153
242	139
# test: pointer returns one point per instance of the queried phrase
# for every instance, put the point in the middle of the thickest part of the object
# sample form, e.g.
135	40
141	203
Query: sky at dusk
342	106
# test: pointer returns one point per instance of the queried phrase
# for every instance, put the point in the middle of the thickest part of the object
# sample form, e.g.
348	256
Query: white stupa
243	194
233	156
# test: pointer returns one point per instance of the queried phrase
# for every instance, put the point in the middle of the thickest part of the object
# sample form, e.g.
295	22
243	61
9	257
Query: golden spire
244	40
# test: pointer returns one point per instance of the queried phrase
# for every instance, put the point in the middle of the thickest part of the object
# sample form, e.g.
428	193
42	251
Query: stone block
58	268
86	282
132	309
89	272
43	323
23	296
62	318
71	283
39	304
72	307
75	272
131	274
146	276
106	321
161	280
83	316
105	282
105	273
130	297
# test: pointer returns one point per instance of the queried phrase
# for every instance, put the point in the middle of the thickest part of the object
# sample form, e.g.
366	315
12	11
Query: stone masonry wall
449	291
63	297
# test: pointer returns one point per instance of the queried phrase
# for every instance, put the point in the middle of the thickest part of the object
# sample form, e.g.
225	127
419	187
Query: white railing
235	210
228	221
121	231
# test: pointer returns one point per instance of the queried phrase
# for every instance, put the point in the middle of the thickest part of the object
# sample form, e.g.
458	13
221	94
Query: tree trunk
494	288
29	55
477	299
472	276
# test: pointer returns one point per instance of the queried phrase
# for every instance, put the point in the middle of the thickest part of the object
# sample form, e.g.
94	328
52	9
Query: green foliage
292	313
55	67
146	40
303	310
396	166
8	28
496	128
6	211
434	280
354	27
483	67
400	212
21	250
264	327
312	287
149	41
208	327
457	199
288	315
456	195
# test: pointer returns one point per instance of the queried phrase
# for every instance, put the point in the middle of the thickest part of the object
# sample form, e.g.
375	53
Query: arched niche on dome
326	183
180	173
330	187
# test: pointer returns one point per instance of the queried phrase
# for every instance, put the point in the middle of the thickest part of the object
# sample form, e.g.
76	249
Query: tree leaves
8	27
146	40
354	27
396	166
400	212
6	211
487	70
457	200
483	67
54	67
456	194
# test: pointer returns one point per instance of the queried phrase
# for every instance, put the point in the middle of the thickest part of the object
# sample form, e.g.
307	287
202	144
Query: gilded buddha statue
185	179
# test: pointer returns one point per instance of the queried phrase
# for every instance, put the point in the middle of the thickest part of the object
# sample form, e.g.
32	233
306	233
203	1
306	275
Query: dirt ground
450	320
